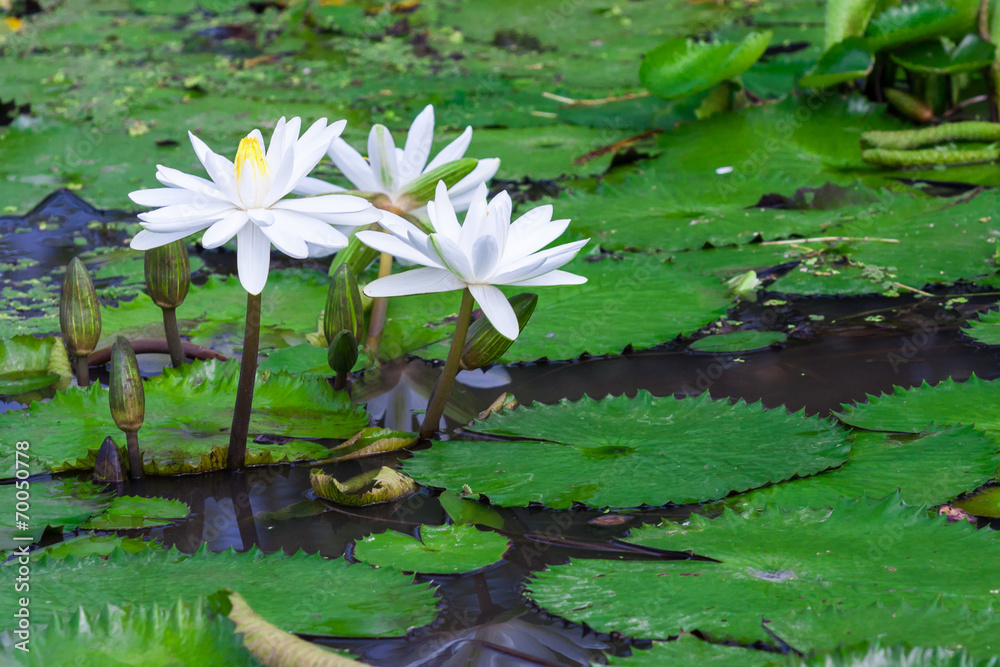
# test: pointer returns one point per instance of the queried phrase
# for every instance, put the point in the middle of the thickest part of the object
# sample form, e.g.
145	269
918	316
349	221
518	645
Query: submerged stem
174	344
82	371
134	454
244	392
377	320
435	408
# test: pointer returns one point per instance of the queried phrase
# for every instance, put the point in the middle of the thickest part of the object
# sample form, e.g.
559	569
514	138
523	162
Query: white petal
382	156
174	178
261	217
523	240
496	307
453	256
485	257
484	171
146	240
172	196
552	278
178	226
418	145
325	204
253	258
219	169
183	213
276	149
287	239
417	281
442	214
453	151
282	181
528	267
307	155
314	186
400	226
397	248
224	229
498	218
317	238
475	220
354	167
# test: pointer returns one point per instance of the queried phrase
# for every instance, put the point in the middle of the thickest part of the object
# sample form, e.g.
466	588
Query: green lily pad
296	360
973	402
680	67
877	654
738	341
188	414
438	549
986	329
842	63
689	650
82	546
669	451
127	512
985	502
175	634
299	593
846	19
775	564
971	54
57	504
929	469
28	364
927	19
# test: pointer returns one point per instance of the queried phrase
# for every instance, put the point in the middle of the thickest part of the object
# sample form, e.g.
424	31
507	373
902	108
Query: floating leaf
878	654
28	364
381	485
689	650
299	593
445	549
842	63
679	67
82	546
738	341
971	54
129	512
927	470
915	21
846	18
986	329
468	511
372	441
777	562
985	502
624	452
58	504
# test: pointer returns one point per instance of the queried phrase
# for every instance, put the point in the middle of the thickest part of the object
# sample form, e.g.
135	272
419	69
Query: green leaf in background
845	19
986	329
28	364
738	341
299	593
680	67
779	563
928	469
926	19
985	502
57	504
448	549
689	650
625	452
89	544
376	486
971	54
175	633
876	653
129	512
844	62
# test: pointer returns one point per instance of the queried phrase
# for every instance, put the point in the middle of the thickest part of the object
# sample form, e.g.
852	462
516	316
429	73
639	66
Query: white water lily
486	250
390	170
245	199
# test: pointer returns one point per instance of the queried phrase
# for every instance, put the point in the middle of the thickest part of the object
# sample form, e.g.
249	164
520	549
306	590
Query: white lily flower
391	170
486	250
246	200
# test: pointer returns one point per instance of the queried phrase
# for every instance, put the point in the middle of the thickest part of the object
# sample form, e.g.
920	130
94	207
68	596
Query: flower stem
435	408
82	371
134	454
244	392
377	320
177	356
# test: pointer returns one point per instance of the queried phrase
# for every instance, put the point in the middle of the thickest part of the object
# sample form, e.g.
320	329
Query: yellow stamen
251	150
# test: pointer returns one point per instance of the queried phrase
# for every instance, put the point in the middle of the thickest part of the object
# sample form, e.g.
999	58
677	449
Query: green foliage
130	512
737	341
28	364
55	504
986	329
681	67
445	549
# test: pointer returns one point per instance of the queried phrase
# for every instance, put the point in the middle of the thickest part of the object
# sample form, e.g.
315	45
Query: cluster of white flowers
248	198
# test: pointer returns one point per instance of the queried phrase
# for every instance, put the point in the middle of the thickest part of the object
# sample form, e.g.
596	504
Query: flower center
251	151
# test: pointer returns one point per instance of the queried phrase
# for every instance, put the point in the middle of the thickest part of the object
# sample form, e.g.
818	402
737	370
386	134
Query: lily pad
877	654
777	563
625	452
842	63
175	634
28	364
926	19
446	549
299	593
82	546
381	485
188	414
971	54
690	650
986	329
129	512
738	341
61	504
681	67
985	502
929	469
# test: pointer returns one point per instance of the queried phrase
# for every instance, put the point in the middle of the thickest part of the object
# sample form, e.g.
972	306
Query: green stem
134	454
82	371
379	306
435	408
177	356
244	391
340	382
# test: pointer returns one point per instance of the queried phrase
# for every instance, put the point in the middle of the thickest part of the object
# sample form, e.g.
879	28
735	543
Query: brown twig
156	346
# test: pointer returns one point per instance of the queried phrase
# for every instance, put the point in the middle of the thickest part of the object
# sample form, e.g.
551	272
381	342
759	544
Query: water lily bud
344	309
110	466
421	190
168	274
484	344
79	310
125	392
343	352
909	106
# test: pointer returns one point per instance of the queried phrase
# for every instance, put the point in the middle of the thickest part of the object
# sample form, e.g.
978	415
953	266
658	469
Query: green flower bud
484	344
110	466
79	310
421	190
125	392
168	274
343	352
343	305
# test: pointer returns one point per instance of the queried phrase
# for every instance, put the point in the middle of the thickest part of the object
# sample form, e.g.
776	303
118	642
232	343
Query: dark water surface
862	345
